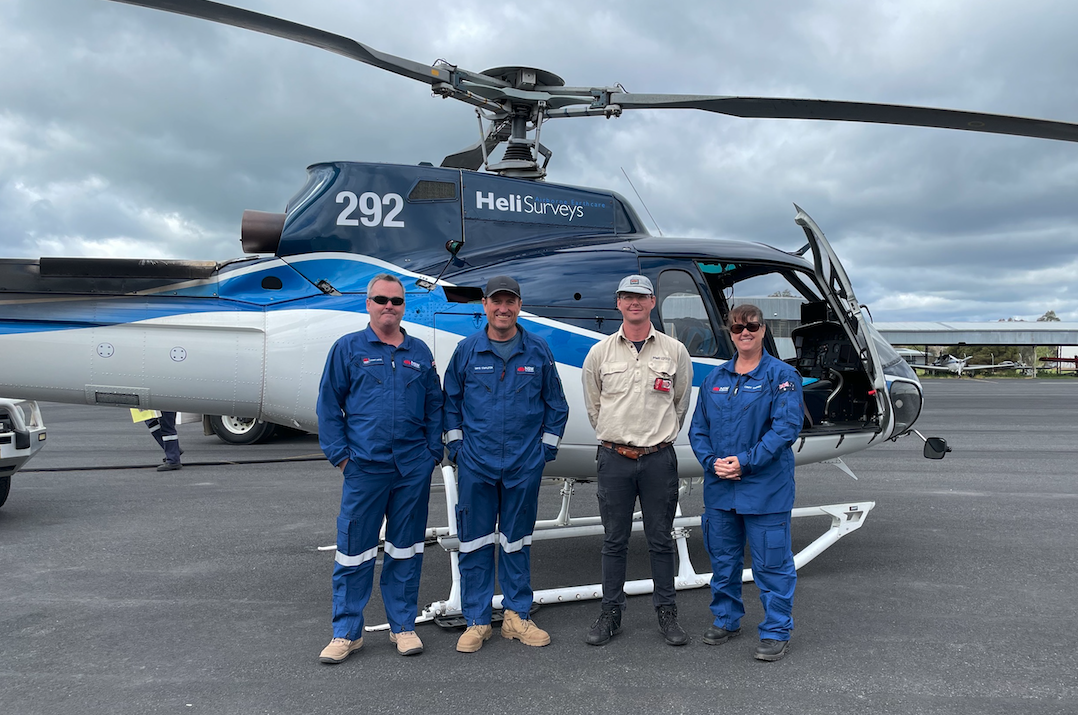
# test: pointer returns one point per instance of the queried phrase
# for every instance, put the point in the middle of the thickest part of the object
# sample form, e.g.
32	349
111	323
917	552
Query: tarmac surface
203	590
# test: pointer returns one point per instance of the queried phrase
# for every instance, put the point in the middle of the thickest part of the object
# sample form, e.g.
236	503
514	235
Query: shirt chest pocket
616	377
660	376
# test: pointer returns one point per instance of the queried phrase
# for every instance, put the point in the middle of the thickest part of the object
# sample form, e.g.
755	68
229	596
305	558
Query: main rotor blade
248	20
766	108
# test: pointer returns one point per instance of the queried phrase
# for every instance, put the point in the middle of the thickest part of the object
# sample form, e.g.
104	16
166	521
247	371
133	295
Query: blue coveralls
381	408
503	421
163	429
755	417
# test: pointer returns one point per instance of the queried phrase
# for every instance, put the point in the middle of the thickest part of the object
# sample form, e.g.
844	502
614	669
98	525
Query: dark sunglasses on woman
736	328
395	300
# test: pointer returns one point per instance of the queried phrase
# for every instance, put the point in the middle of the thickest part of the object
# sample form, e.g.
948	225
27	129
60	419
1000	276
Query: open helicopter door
839	294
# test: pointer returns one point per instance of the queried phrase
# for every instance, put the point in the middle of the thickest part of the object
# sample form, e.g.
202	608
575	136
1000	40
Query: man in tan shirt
637	386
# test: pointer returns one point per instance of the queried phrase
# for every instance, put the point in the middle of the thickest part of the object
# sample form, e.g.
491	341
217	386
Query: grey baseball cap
636	284
497	284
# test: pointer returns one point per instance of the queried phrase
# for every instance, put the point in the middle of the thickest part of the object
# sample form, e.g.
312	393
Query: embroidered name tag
752	388
663	384
368	361
483	368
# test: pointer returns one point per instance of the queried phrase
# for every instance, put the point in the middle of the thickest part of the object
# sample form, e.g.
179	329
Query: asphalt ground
133	591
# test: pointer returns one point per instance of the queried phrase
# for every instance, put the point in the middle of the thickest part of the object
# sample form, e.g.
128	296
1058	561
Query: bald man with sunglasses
380	423
748	415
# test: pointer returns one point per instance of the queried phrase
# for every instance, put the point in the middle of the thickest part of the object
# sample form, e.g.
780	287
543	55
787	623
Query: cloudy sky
131	132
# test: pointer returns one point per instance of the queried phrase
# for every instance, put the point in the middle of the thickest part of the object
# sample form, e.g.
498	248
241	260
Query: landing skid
845	518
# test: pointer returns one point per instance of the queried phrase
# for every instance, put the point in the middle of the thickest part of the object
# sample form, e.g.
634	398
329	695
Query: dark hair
745	313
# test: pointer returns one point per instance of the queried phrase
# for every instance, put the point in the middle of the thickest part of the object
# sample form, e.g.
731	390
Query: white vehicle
22	434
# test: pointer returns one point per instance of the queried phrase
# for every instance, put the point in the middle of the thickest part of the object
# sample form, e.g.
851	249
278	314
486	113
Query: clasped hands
728	468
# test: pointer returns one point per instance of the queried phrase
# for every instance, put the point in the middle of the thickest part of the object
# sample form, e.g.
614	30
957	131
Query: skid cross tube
845	518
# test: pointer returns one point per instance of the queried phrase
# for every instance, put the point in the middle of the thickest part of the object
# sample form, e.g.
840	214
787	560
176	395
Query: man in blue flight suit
505	413
380	422
748	415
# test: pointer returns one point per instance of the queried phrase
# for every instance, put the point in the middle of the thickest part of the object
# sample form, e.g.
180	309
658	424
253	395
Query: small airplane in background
1061	362
960	366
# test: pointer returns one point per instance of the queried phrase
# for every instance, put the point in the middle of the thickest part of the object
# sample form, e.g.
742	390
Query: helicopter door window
683	315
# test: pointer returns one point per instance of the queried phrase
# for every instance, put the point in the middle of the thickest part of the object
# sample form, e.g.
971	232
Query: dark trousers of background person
653	479
163	429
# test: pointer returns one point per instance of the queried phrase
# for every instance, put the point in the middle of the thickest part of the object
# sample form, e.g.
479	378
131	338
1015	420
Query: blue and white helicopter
249	337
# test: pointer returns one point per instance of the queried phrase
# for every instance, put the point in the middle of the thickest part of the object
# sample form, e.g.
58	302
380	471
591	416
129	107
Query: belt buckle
627	451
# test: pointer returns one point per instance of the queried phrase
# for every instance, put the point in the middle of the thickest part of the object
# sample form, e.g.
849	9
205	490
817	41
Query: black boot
606	626
771	649
717	636
669	627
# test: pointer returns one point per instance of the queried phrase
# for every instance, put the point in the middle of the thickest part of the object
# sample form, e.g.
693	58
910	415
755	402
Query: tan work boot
408	642
472	639
339	649
524	630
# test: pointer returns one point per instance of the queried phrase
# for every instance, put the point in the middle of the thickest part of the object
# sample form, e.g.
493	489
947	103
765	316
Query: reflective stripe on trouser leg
168	437
477	511
155	430
724	538
406	524
773	571
516	521
364	498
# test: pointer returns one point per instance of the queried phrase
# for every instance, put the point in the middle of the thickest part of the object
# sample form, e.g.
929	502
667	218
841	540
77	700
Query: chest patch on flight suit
663	384
751	388
483	368
412	364
368	361
720	390
526	370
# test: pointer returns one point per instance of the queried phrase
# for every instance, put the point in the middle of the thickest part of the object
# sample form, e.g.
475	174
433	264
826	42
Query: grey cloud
129	129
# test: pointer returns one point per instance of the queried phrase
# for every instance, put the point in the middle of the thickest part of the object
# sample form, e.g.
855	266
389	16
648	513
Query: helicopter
248	337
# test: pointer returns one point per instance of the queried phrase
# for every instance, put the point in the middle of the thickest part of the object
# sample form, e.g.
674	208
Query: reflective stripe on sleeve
453	435
346	560
466	547
552	440
401	554
511	546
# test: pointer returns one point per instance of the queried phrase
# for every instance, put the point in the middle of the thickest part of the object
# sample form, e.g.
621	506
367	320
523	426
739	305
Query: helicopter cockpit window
683	315
779	294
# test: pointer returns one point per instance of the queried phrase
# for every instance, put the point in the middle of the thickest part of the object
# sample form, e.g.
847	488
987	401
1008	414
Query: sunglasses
736	328
383	299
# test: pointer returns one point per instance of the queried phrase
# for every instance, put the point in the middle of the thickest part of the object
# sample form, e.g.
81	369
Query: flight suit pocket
776	546
348	536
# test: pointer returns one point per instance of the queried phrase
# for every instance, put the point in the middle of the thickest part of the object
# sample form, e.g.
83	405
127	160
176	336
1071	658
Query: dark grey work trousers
163	429
653	479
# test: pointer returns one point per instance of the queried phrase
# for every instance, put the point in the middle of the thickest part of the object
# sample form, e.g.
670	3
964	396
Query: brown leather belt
631	452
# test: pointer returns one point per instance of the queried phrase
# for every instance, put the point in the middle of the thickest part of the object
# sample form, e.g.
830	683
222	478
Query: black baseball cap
497	284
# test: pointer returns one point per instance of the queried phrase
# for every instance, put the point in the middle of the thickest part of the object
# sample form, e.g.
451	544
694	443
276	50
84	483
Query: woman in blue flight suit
748	414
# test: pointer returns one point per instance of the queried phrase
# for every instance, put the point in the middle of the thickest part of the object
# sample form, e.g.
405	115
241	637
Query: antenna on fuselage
642	201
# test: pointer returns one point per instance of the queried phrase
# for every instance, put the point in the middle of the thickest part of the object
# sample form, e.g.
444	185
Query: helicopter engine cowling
260	231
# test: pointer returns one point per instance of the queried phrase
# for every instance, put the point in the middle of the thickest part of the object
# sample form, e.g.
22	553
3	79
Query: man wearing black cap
505	413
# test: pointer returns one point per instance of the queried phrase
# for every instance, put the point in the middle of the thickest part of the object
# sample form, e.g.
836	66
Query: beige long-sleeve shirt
639	399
